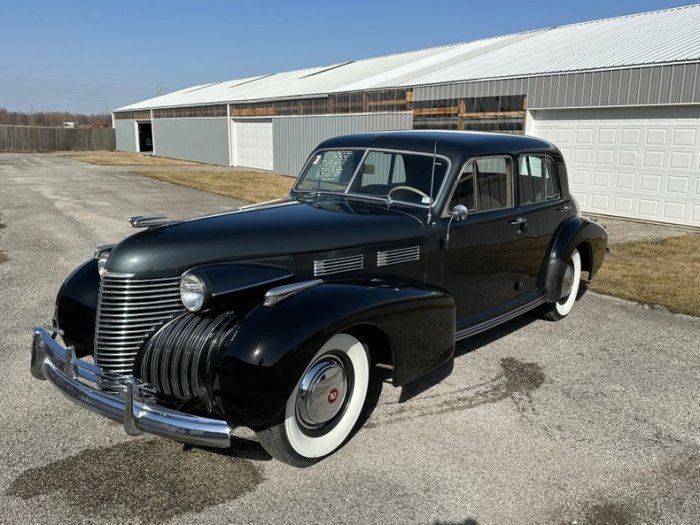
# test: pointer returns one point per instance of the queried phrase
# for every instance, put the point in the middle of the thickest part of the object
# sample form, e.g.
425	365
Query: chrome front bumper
127	401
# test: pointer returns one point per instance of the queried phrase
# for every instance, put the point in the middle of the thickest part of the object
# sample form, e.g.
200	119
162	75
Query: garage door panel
631	162
252	143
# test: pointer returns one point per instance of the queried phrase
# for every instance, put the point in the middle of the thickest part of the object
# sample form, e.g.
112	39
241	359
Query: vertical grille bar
128	310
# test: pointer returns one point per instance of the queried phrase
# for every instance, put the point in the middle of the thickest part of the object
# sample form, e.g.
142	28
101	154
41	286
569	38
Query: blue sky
92	56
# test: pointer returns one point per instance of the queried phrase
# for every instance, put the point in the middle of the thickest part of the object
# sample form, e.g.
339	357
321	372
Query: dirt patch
120	158
604	514
516	381
608	514
662	272
249	186
141	480
3	257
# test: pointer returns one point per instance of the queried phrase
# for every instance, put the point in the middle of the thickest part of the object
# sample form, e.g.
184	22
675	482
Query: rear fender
259	368
573	233
76	307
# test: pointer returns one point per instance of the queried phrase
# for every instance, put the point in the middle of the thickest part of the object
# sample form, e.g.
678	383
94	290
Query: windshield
399	176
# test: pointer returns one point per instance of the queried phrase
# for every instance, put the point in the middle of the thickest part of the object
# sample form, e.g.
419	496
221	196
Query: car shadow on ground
470	344
462	348
241	448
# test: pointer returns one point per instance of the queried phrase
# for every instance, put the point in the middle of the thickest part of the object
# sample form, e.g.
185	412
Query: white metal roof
671	35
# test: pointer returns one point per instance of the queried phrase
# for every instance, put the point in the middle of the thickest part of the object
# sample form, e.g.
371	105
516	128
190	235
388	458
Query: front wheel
569	290
324	406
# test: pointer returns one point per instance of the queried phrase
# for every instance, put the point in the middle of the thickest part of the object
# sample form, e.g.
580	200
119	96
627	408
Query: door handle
518	221
564	208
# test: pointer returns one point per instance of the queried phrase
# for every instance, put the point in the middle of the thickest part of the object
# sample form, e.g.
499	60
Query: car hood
287	228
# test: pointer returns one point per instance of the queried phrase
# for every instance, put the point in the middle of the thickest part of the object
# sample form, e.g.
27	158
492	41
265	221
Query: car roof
455	145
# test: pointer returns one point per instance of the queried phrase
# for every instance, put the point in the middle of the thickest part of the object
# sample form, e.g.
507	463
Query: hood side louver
338	265
397	256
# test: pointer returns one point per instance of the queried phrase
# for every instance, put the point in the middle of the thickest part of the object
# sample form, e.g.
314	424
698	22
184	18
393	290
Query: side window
485	184
464	193
382	168
375	170
537	179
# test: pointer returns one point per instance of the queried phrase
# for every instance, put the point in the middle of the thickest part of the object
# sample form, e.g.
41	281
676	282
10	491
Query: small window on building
485	184
537	179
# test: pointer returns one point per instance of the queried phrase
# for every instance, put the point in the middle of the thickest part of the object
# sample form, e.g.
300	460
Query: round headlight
102	262
192	292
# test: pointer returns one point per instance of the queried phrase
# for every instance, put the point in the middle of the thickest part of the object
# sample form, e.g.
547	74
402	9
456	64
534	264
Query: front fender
76	307
574	232
259	368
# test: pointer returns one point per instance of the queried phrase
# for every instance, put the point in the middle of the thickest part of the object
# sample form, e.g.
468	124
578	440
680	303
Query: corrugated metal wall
671	84
125	131
198	139
295	137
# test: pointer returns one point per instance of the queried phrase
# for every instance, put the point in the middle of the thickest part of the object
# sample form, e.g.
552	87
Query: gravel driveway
593	419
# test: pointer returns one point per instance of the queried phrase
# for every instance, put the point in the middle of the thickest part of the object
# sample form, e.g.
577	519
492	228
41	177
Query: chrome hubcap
322	392
568	282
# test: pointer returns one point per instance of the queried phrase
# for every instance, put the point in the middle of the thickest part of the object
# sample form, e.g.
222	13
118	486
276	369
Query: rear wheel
569	290
324	406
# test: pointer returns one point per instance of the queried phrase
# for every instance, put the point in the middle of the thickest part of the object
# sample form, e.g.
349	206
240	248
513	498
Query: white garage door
252	143
642	163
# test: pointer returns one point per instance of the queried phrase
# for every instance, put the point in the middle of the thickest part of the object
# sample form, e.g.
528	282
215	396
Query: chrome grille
128	310
178	356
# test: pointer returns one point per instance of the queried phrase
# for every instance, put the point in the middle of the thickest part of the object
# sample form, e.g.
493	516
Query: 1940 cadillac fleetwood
389	249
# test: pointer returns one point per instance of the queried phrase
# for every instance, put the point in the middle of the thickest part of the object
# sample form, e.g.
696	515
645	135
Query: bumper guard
127	401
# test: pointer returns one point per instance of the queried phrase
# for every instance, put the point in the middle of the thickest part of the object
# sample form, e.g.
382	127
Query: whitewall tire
325	405
569	290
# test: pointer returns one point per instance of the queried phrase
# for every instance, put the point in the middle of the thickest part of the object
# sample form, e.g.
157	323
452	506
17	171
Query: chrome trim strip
101	248
280	293
490	323
397	256
141	221
339	265
130	403
144	282
261	204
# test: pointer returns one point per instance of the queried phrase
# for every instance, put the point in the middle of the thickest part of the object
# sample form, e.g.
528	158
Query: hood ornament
153	221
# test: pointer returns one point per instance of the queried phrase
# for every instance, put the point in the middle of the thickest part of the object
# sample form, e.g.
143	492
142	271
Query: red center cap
332	395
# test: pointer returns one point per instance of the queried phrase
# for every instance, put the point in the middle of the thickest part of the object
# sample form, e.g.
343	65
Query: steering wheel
408	188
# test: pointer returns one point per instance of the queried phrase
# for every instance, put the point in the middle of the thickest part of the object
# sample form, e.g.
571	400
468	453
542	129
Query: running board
490	323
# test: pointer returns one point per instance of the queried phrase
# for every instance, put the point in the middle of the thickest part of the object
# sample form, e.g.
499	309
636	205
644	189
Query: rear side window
485	184
537	179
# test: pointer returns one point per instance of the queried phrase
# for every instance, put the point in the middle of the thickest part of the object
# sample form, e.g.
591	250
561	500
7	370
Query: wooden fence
29	139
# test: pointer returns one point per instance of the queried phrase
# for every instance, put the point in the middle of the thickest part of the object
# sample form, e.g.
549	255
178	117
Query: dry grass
121	158
664	272
249	186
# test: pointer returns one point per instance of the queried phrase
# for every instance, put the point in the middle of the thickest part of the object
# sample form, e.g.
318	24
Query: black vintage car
389	249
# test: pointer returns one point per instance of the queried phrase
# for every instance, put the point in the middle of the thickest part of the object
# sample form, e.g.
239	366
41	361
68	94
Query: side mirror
459	212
